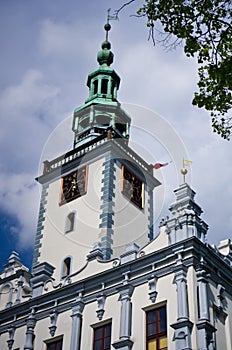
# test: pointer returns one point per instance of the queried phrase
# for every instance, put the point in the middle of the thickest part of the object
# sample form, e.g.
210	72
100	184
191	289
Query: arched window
69	223
66	267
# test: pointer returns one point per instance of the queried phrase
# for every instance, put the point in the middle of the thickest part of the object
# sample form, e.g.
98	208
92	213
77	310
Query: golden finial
184	170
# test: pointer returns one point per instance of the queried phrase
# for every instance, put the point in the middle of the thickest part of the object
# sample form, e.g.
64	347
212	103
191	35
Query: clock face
73	185
133	187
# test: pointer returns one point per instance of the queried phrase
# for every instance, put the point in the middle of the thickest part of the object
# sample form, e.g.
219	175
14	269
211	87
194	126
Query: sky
47	50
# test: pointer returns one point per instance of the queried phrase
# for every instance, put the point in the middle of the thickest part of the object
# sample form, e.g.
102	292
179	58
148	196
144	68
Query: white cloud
68	43
19	196
57	38
28	112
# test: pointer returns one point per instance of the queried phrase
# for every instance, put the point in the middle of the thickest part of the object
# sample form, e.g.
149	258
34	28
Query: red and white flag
160	165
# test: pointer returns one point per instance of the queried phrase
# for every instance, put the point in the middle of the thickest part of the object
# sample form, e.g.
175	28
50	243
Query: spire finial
105	56
107	26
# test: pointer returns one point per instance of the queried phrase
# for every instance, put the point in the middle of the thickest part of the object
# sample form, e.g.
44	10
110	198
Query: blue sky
47	51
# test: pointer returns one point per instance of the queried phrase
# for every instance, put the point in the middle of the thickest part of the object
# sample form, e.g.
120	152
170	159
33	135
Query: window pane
162	319
151	329
98	333
108	330
98	344
107	339
163	343
152	345
151	316
107	343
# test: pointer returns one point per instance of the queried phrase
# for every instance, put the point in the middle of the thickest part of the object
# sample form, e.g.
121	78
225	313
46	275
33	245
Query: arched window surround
70	222
9	293
66	267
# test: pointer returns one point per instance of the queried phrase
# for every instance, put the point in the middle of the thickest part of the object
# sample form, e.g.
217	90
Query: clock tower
98	197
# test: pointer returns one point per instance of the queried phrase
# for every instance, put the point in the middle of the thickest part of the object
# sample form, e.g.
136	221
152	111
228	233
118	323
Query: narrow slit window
104	86
66	268
95	86
69	224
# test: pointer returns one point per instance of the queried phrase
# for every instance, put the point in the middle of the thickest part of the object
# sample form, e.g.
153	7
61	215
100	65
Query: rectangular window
55	345
156	329
102	337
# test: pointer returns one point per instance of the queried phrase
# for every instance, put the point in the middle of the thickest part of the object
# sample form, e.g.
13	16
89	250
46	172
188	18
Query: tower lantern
101	109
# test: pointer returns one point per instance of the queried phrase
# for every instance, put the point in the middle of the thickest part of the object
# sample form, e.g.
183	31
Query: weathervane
107	26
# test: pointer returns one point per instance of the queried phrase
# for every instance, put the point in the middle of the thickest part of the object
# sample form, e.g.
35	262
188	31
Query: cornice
120	151
159	263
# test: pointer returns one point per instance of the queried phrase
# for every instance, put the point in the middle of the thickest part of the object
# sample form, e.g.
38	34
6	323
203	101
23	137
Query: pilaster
183	326
124	342
31	322
205	329
77	311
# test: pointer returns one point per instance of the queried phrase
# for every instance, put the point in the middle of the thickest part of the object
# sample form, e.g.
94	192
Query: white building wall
3	341
42	334
56	245
19	339
90	320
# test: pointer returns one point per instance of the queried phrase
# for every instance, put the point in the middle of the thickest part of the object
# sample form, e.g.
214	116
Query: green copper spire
104	82
101	109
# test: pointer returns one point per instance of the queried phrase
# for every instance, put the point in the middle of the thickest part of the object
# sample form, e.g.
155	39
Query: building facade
101	279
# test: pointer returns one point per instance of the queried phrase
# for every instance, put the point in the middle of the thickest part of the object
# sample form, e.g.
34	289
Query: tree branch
116	12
